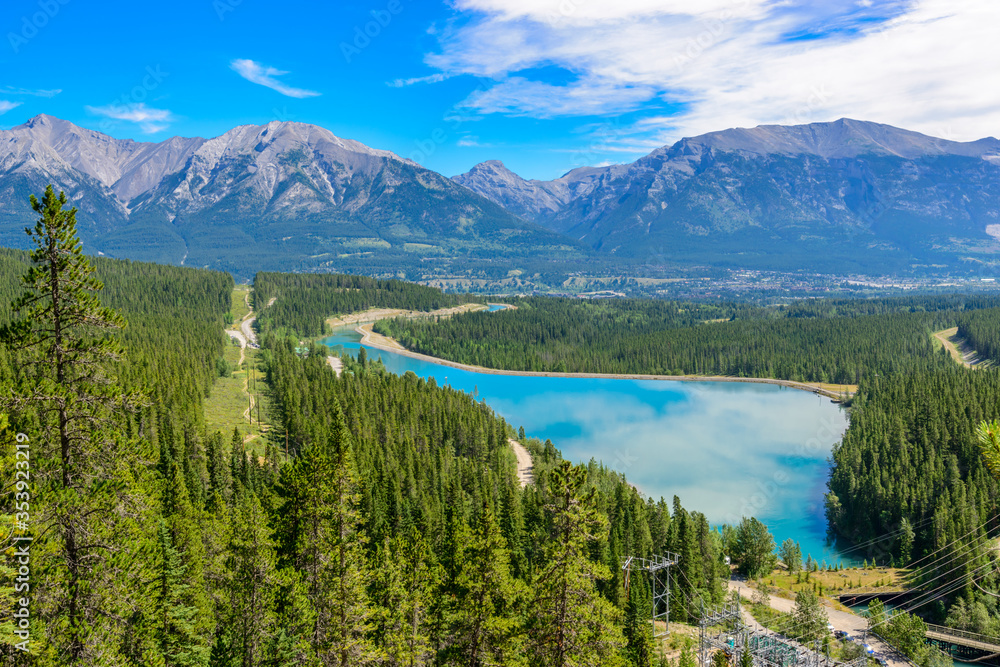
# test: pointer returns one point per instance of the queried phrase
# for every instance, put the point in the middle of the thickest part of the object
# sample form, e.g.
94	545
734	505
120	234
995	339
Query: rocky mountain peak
843	138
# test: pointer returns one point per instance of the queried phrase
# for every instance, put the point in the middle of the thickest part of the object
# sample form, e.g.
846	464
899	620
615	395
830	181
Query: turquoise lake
726	449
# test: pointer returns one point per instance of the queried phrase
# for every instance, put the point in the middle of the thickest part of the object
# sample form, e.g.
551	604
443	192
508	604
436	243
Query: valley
500	333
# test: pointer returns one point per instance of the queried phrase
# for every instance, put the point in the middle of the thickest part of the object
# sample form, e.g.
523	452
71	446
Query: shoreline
380	342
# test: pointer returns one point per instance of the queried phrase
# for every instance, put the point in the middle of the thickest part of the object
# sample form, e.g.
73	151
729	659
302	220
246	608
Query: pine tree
184	527
482	614
318	527
512	526
250	617
349	573
988	435
179	639
405	583
237	461
809	616
638	630
571	624
86	470
219	473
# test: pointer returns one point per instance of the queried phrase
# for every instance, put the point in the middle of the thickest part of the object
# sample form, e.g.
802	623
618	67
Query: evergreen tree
809	616
87	471
877	616
219	472
482	613
754	548
249	616
181	643
405	583
637	628
988	435
791	555
571	624
319	532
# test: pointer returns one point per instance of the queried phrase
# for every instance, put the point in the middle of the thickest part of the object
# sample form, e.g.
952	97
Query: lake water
726	449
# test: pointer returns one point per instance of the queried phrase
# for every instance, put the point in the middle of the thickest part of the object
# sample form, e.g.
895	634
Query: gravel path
525	468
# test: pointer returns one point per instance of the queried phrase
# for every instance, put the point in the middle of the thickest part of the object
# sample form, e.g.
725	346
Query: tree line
303	302
910	484
823	341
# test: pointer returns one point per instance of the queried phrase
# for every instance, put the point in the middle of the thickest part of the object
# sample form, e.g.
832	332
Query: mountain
277	196
826	196
529	199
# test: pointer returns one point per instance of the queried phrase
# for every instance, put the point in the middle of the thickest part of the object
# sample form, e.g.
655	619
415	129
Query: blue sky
544	85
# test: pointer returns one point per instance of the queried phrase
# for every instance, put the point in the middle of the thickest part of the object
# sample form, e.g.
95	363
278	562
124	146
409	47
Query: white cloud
268	76
9	90
6	106
467	142
150	120
926	65
433	78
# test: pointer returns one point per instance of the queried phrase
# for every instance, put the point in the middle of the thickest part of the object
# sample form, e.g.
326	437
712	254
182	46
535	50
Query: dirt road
525	467
958	348
247	328
376	314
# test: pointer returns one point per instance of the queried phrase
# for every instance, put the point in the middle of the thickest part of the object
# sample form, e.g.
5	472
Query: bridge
970	646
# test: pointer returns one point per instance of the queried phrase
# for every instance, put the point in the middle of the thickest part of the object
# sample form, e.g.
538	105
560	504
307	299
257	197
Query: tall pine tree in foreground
249	618
318	529
91	496
482	614
405	582
571	624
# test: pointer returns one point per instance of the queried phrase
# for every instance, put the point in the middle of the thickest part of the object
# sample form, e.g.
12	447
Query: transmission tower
766	648
658	568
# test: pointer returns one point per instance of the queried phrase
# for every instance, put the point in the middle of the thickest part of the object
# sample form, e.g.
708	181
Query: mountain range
826	197
281	196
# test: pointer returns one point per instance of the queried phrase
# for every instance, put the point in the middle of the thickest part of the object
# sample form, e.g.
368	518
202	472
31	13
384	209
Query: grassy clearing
946	339
226	406
682	636
831	584
239	307
959	349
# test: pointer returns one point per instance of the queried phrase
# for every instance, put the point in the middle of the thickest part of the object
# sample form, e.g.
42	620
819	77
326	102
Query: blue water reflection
725	449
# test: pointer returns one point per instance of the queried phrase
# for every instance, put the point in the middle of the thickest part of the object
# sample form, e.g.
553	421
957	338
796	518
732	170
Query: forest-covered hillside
383	523
812	341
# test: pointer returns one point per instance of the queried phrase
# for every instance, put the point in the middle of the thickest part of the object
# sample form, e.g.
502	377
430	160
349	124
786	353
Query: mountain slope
826	196
276	196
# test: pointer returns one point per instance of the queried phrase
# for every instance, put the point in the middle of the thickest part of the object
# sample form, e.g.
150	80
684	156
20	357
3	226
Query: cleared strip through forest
958	348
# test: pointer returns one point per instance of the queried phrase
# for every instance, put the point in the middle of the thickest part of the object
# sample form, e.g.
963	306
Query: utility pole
658	568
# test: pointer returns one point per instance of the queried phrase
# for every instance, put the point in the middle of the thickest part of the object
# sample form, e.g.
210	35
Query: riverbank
376	314
378	341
